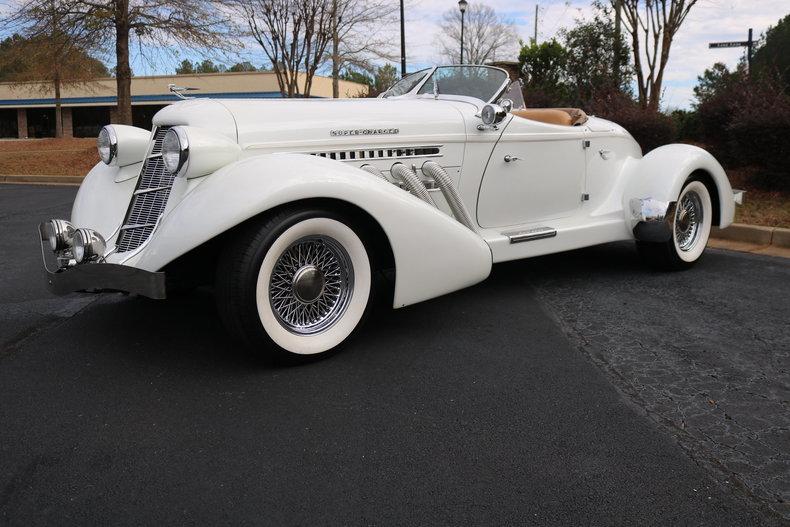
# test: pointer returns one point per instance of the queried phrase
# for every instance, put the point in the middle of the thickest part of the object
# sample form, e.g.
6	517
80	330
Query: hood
299	124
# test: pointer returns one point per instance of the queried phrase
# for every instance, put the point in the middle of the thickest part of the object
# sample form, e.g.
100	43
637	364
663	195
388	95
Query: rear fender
434	254
660	176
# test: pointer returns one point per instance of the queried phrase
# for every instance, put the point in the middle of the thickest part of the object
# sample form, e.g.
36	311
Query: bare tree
653	23
52	49
487	36
294	35
359	35
159	25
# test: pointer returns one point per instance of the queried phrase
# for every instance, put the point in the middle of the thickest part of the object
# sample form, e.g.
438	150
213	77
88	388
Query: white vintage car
290	207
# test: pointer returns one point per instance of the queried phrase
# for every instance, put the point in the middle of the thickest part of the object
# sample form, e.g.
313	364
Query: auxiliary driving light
60	234
88	245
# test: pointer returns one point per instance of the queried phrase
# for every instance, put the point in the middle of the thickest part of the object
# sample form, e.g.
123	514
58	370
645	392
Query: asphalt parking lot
573	389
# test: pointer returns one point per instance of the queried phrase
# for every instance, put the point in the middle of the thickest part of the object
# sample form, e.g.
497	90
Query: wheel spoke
688	220
325	259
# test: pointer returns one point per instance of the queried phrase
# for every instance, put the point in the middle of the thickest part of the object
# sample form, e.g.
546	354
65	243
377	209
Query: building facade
27	109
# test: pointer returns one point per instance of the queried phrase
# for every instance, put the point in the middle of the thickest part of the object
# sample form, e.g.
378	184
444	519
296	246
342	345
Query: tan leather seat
559	116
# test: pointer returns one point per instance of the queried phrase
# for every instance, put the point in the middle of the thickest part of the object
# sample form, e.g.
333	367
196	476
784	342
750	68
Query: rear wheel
296	284
690	231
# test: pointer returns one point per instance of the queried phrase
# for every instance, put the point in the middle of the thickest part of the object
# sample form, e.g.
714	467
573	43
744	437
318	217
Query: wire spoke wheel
688	219
311	285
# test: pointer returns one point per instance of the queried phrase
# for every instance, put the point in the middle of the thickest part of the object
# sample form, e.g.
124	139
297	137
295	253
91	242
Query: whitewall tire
691	225
693	220
327	260
297	285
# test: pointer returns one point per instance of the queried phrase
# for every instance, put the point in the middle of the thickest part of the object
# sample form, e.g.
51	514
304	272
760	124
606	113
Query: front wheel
296	284
690	231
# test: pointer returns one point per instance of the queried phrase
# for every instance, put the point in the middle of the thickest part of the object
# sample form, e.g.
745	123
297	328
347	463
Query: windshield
406	84
481	82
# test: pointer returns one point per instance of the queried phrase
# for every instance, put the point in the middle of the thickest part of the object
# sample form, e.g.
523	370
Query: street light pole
402	43
462	6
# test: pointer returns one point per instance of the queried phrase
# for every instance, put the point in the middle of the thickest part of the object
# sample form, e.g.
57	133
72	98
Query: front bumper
99	277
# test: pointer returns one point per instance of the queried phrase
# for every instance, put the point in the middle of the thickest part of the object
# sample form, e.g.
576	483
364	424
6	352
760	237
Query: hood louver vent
397	152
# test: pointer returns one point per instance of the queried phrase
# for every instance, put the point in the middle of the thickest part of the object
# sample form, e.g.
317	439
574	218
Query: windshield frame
427	78
425	71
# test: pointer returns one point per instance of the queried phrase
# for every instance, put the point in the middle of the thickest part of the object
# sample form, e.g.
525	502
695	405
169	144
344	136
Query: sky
708	21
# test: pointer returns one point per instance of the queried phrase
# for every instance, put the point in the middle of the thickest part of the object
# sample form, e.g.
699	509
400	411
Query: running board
529	235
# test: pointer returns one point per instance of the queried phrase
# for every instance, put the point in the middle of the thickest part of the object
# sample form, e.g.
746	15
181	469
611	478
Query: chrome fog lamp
88	245
492	114
60	234
175	149
107	144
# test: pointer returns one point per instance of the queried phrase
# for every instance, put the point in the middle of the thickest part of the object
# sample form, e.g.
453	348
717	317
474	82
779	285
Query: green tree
360	77
772	57
385	76
185	68
715	81
598	59
243	66
544	67
208	66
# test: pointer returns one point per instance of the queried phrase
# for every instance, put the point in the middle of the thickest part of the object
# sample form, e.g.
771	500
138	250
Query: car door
535	173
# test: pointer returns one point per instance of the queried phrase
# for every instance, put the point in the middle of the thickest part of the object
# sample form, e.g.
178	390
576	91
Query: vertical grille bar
146	208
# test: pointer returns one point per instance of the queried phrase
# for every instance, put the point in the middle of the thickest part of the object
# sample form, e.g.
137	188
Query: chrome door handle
509	158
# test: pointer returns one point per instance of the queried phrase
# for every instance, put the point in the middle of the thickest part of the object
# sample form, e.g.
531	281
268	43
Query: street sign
741	44
748	44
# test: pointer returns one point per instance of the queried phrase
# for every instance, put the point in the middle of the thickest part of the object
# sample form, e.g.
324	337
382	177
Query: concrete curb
42	179
753	234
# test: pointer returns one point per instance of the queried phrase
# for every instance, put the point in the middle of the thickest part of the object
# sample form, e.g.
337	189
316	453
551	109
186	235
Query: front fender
103	197
434	254
660	175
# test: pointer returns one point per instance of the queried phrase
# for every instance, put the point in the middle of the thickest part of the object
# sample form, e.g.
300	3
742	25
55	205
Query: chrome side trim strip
529	235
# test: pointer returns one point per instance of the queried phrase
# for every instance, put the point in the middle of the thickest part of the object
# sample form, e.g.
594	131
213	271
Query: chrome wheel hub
311	285
688	219
308	284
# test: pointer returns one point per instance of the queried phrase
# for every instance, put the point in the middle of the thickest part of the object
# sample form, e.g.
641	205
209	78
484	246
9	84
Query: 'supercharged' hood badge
365	131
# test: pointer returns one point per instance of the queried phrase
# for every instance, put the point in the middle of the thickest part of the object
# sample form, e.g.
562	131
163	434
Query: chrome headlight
88	245
175	149
107	144
492	114
60	234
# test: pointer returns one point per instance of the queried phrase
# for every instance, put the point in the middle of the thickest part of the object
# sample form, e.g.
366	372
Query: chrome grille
149	198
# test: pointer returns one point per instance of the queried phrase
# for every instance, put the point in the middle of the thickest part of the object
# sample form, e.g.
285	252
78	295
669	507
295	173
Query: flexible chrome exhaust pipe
375	171
434	170
412	181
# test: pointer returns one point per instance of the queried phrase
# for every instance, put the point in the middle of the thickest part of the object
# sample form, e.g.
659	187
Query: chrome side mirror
492	115
506	105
